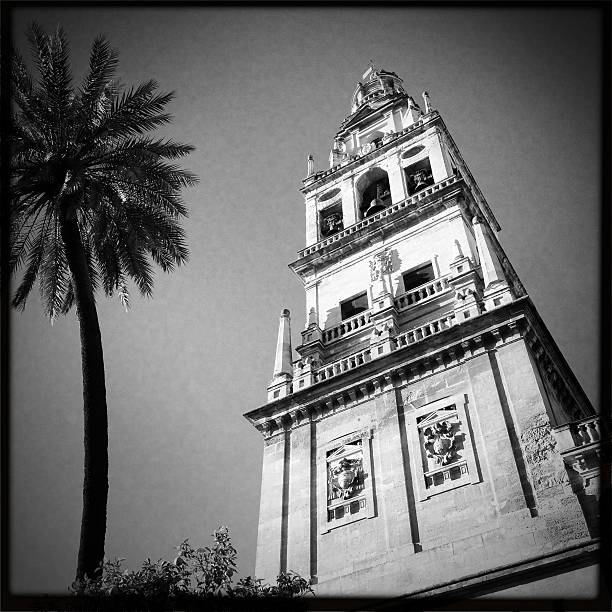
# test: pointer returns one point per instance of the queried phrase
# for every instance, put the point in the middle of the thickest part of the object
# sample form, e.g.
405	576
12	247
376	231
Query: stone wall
511	502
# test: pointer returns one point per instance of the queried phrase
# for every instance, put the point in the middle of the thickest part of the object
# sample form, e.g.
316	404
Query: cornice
451	348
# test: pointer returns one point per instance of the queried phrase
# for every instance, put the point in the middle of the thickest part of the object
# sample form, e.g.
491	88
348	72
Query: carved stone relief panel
441	447
381	263
347	480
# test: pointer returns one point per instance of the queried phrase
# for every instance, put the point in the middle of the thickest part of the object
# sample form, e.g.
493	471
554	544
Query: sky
257	90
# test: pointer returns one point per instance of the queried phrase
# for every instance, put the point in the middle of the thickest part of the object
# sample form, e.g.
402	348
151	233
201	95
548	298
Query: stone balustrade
342	365
422	293
350	362
346	327
424	331
579	433
390	210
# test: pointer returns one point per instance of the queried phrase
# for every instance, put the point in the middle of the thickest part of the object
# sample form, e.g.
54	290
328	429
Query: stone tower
430	438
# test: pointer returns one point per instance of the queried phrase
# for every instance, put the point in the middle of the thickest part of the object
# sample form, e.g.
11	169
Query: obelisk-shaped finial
427	101
492	271
283	362
310	167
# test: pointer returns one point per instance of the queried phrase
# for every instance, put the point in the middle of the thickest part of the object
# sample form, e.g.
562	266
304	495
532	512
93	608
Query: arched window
418	176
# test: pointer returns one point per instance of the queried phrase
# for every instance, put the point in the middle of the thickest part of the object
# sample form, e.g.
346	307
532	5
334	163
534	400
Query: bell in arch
377	204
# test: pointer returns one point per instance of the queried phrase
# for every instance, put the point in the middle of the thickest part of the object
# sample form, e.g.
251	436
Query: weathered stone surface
457	472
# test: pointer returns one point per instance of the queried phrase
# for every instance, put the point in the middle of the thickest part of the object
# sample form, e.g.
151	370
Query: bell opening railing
347	327
389	210
422	293
350	362
424	331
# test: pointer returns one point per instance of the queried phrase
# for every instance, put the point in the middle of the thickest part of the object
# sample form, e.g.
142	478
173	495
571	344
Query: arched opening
373	192
418	176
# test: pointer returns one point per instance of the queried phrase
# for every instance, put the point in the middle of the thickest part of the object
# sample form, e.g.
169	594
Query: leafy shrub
195	574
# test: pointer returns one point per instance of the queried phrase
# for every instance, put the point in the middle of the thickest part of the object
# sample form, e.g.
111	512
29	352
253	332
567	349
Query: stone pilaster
396	180
269	533
496	290
298	510
391	495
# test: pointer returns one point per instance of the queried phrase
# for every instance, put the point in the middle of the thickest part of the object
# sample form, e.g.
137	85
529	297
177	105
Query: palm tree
92	197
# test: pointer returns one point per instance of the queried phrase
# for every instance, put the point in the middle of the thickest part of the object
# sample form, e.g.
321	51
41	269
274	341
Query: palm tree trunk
95	482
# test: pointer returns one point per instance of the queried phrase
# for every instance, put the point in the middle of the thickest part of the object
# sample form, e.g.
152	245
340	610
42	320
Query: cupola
375	84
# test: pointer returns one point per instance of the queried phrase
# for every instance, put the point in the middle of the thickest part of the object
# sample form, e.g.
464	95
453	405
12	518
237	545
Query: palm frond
124	294
54	279
68	301
33	112
98	88
35	257
22	232
103	62
136	111
133	150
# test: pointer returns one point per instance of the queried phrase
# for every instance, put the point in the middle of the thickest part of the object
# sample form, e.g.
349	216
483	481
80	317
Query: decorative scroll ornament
440	442
380	264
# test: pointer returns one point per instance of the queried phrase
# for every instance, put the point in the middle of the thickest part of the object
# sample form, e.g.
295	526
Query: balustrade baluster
592	431
582	435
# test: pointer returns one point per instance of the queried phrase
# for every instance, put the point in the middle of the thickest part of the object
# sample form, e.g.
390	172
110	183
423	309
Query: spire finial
283	361
492	270
312	316
370	71
310	162
458	249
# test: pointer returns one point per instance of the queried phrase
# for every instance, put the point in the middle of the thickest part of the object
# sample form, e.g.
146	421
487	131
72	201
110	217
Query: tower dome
376	83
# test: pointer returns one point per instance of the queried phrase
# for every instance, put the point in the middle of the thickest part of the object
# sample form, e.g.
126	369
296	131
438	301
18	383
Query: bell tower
429	438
